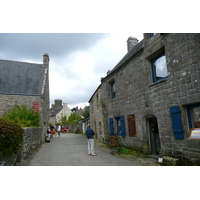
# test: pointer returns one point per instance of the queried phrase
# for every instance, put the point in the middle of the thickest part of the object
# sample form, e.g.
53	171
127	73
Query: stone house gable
59	110
97	108
27	84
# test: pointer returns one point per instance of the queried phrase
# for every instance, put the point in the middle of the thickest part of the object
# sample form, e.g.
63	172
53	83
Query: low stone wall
32	140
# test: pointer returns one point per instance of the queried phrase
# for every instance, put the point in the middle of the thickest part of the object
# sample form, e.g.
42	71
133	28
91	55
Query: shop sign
36	105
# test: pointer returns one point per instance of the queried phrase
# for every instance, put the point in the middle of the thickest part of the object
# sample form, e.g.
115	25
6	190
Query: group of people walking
51	133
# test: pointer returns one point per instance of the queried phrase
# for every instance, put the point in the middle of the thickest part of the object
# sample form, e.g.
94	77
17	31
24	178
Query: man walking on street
59	130
90	136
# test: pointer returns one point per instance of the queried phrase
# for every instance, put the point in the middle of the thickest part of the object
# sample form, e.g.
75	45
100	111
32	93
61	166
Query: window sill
194	133
157	82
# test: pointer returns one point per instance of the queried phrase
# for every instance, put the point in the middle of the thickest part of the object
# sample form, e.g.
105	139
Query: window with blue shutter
111	126
123	130
176	122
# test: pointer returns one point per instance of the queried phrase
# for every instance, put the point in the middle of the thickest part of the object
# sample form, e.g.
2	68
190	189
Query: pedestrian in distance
59	130
90	136
48	135
52	131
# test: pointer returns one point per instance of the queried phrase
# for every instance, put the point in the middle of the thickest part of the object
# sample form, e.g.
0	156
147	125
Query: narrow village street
71	150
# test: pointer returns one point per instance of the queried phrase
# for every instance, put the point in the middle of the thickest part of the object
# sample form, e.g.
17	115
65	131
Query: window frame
117	126
189	108
120	126
151	35
112	90
153	70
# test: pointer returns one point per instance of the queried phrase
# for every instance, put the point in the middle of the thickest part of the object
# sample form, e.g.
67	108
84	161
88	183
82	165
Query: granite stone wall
32	140
137	94
97	107
8	101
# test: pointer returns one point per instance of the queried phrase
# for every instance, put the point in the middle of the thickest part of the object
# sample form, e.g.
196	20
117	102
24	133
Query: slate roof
55	111
130	54
21	78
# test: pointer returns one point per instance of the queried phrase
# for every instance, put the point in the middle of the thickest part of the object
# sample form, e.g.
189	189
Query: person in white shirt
59	130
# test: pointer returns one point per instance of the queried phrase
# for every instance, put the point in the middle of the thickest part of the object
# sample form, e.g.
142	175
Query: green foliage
101	104
23	116
123	150
11	138
107	145
73	109
86	112
130	151
73	118
64	120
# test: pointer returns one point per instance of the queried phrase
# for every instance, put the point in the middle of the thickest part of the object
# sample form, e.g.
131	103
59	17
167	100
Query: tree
73	118
64	120
73	109
86	112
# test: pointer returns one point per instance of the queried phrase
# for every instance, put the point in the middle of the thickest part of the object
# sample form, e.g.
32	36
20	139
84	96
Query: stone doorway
154	136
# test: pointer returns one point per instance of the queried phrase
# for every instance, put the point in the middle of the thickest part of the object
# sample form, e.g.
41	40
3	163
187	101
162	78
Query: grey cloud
33	45
72	85
75	97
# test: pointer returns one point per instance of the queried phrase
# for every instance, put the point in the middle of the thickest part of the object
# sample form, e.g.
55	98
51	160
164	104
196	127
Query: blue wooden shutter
111	126
176	122
122	122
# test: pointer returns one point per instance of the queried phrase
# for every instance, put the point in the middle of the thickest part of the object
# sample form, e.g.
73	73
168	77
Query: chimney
58	103
46	60
131	42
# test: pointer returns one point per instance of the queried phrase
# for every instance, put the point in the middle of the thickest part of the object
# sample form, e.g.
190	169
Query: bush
130	151
123	150
23	116
11	138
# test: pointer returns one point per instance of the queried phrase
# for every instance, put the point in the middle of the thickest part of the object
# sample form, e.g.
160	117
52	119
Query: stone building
27	84
151	98
58	111
96	115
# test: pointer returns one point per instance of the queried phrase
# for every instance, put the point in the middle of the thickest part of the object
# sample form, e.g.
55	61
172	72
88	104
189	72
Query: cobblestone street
71	150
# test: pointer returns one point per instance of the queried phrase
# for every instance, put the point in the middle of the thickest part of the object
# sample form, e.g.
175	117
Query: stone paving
71	150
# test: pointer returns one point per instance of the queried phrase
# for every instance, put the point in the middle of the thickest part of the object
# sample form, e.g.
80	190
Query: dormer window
151	35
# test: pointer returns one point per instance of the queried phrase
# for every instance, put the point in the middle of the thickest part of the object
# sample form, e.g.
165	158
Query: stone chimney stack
58	103
46	60
131	42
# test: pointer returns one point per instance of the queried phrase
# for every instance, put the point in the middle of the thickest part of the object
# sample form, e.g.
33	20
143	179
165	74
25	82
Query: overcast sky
77	63
77	60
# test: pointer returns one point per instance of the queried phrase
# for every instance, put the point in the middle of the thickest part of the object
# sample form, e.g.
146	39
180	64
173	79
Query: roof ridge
21	62
129	54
